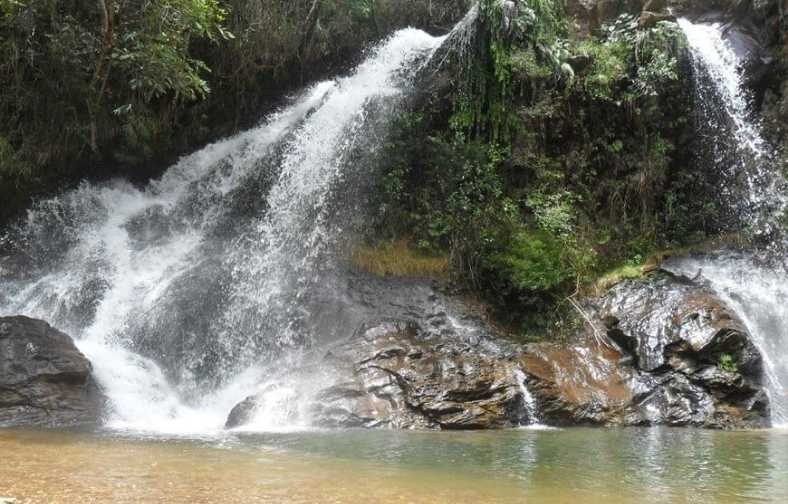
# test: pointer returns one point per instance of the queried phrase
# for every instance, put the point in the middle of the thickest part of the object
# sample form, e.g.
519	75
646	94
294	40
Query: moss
726	363
399	258
616	276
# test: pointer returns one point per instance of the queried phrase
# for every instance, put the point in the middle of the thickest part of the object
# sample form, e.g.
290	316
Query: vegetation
513	175
726	363
97	89
546	165
399	258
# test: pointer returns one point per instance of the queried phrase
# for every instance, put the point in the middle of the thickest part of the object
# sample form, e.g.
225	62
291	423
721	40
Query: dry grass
399	258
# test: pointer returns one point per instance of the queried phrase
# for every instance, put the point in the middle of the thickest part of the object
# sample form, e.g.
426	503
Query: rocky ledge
661	350
44	379
656	351
413	360
666	351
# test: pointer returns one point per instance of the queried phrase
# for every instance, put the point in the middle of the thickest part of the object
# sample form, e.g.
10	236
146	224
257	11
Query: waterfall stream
755	287
729	134
181	291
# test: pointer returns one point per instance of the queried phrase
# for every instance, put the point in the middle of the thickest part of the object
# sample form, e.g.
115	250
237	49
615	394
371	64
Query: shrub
532	262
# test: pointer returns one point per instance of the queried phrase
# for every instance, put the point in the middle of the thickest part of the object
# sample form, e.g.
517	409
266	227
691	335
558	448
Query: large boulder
667	352
415	360
44	379
395	375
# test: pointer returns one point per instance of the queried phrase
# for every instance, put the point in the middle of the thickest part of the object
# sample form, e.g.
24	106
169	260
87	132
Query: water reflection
573	465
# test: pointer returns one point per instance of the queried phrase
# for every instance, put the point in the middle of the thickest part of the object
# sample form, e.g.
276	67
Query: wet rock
44	379
419	371
676	355
648	18
242	413
589	15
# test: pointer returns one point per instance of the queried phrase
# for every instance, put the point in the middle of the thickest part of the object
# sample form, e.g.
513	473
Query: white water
529	403
732	135
755	288
757	291
181	291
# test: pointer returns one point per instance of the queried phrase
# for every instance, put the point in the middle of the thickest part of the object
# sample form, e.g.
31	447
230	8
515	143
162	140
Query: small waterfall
757	290
182	291
530	407
755	287
729	135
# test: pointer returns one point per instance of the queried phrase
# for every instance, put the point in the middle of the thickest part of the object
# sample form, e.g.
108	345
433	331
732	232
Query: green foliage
87	90
531	263
486	87
647	58
554	212
609	68
78	77
726	363
530	193
154	53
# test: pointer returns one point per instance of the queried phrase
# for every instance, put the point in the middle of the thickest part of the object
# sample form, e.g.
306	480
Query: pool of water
534	466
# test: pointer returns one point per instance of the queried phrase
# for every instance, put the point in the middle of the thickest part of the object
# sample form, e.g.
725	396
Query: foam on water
181	291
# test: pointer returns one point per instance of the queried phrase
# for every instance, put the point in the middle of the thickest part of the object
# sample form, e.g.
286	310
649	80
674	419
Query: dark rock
44	379
392	374
242	413
662	365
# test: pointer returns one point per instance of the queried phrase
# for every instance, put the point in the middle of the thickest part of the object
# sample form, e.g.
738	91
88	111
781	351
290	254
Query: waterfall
755	287
757	291
728	133
180	292
530	407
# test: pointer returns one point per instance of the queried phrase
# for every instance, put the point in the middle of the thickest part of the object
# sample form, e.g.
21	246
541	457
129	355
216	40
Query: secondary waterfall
729	135
755	287
181	291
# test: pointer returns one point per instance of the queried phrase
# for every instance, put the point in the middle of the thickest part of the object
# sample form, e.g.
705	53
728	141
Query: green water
536	466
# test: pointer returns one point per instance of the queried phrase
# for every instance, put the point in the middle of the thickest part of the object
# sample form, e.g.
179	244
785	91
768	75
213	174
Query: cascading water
529	402
729	135
757	290
754	286
180	292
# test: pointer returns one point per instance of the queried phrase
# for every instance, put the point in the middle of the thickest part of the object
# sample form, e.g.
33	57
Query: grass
653	262
398	258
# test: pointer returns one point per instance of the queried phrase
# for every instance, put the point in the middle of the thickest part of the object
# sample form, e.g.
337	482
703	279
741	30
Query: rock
648	19
655	5
44	379
242	413
663	365
589	15
394	374
580	384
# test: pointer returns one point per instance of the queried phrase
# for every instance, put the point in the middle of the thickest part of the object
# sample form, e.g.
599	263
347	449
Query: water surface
534	466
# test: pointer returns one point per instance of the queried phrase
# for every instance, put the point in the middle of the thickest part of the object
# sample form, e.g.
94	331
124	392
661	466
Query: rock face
411	363
677	356
393	374
44	379
397	375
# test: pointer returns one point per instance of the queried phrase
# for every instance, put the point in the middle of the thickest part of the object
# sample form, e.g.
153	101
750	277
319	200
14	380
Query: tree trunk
309	28
101	73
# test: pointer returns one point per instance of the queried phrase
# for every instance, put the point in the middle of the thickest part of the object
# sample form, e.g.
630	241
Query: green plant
531	262
726	363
